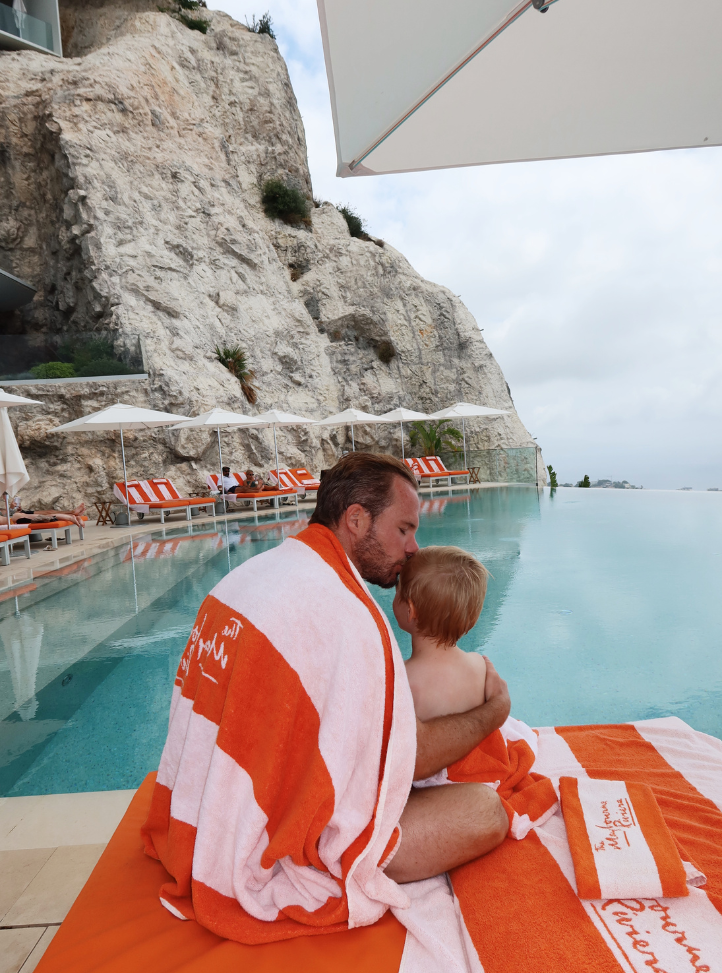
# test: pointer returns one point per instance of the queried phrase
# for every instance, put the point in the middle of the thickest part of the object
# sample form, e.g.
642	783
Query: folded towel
620	844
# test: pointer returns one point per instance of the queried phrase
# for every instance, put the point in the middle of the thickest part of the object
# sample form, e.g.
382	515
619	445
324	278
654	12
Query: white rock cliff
130	196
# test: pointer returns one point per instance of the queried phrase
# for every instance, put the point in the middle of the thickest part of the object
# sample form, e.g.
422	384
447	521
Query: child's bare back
438	599
446	680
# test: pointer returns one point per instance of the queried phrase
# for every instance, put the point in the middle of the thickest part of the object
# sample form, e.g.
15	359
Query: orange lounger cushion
117	925
49	525
14	532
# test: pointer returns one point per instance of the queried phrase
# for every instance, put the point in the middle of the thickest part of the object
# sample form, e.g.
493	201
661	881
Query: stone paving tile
34	958
48	897
52	820
18	869
15	947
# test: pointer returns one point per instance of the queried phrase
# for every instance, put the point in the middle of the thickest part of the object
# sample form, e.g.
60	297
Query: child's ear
412	611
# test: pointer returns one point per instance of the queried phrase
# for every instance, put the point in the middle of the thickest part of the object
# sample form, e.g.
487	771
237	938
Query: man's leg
442	827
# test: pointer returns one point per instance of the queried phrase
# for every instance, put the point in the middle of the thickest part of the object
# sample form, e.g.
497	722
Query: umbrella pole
221	488
403	457
353	441
7	507
275	447
125	480
463	430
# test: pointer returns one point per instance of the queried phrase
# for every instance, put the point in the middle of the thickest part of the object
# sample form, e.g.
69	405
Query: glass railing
81	355
26	27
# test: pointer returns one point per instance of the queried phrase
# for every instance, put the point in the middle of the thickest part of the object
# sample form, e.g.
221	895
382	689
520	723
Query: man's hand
495	685
446	739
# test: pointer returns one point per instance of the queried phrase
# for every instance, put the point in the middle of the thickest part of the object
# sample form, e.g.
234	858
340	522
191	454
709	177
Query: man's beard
374	565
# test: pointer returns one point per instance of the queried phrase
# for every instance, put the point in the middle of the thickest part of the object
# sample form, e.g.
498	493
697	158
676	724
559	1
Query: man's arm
446	739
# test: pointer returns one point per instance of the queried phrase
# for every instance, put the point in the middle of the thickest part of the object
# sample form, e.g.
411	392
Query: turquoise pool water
604	606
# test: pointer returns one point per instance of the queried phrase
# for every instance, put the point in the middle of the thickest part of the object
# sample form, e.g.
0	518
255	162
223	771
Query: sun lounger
157	494
55	527
253	498
288	481
431	468
9	538
305	479
519	902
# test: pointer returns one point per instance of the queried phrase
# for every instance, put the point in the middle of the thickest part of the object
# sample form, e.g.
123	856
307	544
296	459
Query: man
229	482
283	804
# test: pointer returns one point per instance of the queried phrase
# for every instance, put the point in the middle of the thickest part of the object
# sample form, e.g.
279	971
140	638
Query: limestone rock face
130	197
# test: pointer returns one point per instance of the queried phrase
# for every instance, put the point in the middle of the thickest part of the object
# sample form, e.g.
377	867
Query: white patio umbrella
464	411
276	418
217	419
13	474
401	416
120	417
495	81
350	417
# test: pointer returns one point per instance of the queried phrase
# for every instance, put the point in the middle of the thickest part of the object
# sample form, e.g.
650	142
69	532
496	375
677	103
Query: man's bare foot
79	510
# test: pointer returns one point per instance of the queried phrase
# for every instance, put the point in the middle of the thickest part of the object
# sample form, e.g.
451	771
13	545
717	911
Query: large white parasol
401	416
418	84
13	474
276	418
350	417
464	411
120	417
217	419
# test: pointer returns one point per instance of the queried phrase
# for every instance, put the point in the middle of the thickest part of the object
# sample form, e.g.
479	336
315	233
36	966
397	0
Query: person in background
20	516
229	482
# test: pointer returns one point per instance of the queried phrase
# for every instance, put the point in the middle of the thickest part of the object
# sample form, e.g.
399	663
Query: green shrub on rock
103	366
284	202
53	369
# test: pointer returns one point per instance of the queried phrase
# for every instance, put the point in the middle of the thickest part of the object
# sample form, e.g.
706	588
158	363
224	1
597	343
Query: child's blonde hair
447	587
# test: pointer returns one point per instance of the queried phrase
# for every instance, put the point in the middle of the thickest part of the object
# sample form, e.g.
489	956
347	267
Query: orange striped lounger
519	903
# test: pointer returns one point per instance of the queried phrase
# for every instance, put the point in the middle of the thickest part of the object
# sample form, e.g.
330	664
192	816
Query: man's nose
411	546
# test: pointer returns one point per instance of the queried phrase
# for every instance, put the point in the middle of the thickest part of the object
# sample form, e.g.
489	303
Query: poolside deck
49	845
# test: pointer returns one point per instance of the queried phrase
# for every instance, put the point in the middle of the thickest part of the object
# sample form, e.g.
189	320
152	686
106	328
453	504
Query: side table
103	508
474	471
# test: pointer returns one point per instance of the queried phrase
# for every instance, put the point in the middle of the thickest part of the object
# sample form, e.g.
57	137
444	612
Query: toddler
439	597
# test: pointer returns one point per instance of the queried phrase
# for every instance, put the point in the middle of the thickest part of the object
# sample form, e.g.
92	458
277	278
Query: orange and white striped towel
290	752
619	842
504	761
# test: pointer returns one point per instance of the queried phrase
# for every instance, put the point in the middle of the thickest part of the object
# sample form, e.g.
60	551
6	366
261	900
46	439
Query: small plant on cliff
234	359
430	438
356	226
262	26
284	202
552	477
181	10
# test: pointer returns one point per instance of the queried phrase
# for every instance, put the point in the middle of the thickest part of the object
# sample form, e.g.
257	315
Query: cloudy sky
598	282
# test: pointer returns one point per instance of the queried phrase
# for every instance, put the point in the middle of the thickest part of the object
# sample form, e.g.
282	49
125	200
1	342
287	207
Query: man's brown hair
364	478
447	587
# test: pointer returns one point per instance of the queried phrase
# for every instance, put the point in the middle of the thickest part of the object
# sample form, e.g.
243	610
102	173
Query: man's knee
494	822
501	822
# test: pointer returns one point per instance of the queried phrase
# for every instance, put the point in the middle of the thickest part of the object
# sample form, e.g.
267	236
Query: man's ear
357	520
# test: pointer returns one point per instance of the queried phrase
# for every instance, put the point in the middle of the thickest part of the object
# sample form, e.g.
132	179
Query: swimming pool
604	606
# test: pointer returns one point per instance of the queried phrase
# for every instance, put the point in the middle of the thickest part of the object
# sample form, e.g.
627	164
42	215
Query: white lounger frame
6	548
54	531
